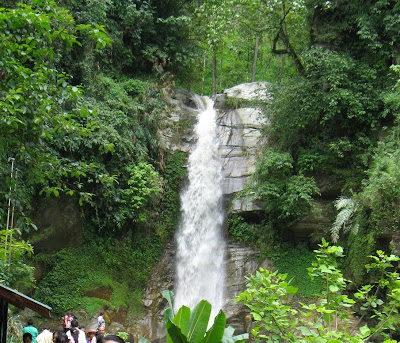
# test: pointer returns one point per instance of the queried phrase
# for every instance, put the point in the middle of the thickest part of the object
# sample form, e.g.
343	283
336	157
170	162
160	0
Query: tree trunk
282	65
220	74
204	74
253	75
214	74
288	49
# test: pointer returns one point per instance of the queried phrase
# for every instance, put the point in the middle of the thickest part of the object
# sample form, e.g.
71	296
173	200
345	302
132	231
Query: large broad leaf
168	295
168	314
199	321
174	333
143	340
229	338
182	319
214	335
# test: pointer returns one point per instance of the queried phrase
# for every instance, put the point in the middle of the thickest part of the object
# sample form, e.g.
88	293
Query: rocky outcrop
239	121
240	138
151	326
239	124
59	223
241	261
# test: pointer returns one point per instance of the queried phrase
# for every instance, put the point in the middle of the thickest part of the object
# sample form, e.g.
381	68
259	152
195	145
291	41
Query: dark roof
21	301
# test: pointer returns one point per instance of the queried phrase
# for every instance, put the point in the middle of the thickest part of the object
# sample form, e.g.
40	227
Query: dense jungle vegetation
82	98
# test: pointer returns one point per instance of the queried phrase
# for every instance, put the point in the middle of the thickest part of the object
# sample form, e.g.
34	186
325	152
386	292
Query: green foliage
122	266
145	34
285	195
267	296
124	183
361	245
15	272
143	184
367	30
335	100
294	261
344	221
243	231
34	95
380	194
37	102
334	304
385	309
124	335
170	204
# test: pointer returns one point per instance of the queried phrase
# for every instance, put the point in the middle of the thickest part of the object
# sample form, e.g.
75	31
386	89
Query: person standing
67	319
45	336
100	321
75	335
99	335
27	337
30	328
90	335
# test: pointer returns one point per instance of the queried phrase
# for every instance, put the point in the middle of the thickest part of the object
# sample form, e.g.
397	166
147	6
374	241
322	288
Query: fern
344	221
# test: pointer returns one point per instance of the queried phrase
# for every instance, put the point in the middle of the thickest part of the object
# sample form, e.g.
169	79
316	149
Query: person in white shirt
45	336
100	333
100	321
74	334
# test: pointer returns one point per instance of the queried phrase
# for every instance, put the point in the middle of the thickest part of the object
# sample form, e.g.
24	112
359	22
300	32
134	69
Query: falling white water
201	247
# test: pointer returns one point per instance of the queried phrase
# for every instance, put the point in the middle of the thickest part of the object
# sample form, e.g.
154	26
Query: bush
285	195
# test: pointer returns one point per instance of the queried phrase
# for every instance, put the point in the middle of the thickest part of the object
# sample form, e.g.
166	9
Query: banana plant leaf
229	338
143	340
199	321
169	312
175	334
182	319
215	334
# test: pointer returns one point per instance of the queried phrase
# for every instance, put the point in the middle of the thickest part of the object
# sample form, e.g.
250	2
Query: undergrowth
294	261
123	267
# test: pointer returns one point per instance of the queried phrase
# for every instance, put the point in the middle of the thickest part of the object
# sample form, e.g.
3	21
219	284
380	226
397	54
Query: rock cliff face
239	124
240	262
240	137
240	141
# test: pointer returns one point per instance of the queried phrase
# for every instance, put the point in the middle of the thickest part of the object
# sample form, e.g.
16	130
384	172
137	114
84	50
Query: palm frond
347	208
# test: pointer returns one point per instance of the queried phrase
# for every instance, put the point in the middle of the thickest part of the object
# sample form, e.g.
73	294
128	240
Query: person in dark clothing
27	337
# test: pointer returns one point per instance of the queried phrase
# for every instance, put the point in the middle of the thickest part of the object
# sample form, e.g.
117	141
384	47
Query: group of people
72	332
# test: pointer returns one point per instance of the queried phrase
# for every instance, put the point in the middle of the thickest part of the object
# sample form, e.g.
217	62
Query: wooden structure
11	296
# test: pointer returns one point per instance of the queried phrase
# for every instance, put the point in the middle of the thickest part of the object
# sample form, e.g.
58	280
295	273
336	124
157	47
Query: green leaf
168	295
333	288
365	330
143	340
229	338
182	319
199	321
215	334
305	331
175	333
291	290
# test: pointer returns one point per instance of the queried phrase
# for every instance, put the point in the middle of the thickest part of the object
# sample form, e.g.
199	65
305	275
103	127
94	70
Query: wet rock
59	225
241	261
102	292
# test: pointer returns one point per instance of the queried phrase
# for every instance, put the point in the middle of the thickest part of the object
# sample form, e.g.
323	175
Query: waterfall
200	243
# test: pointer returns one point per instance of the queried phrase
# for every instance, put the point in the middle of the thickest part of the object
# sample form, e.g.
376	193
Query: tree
37	102
277	320
283	23
286	196
212	20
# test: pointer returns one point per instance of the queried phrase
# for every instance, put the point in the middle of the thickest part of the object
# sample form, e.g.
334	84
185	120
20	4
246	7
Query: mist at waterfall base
200	243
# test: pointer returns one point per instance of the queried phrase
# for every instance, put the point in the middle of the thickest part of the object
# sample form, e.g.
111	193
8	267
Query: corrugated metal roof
22	301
